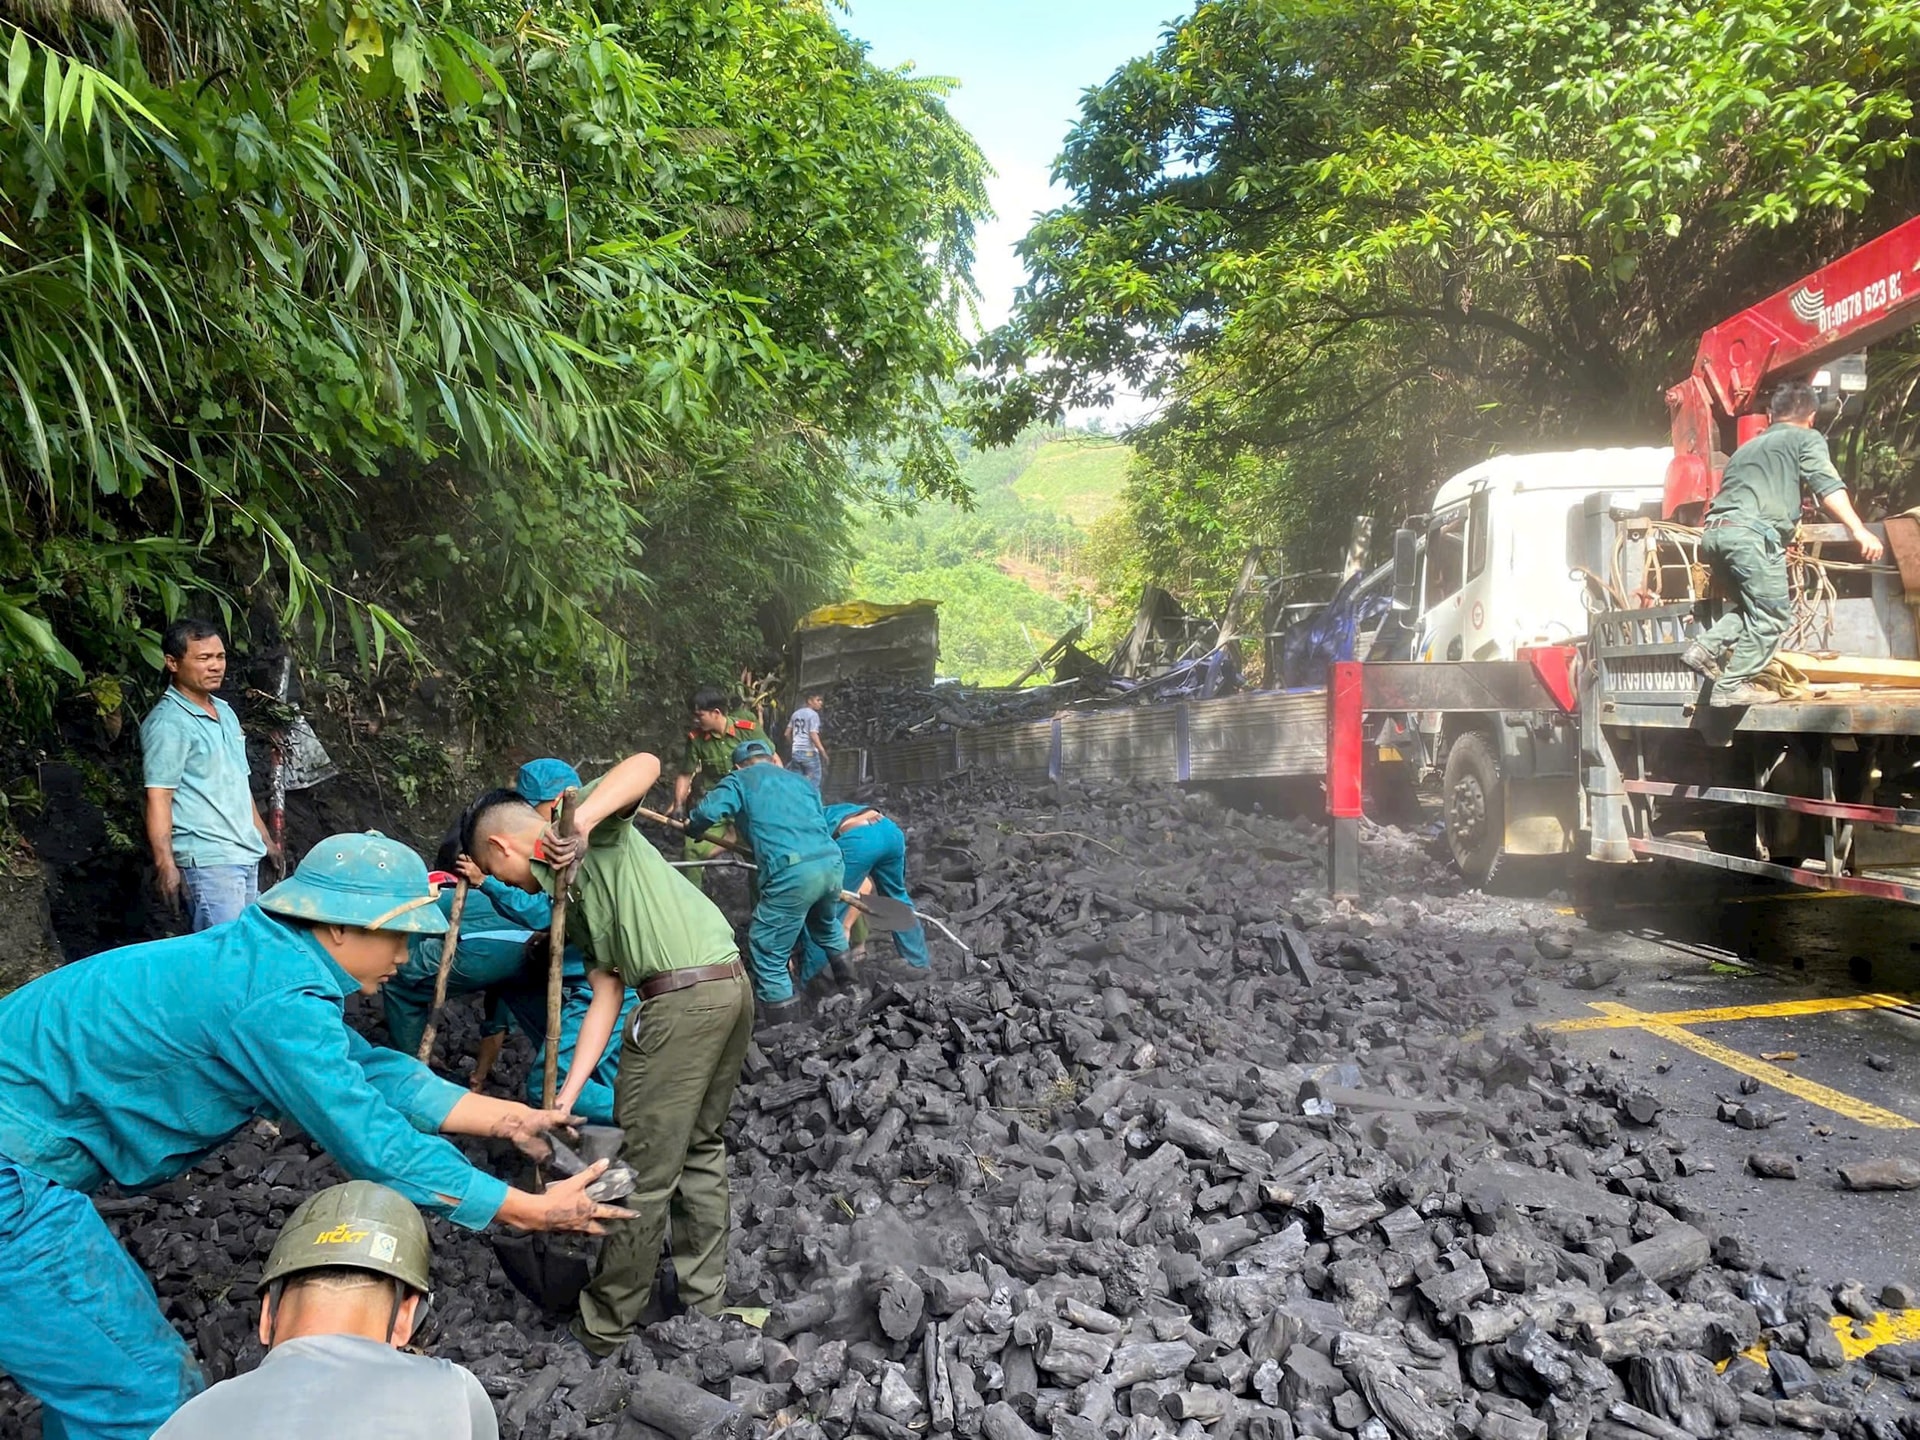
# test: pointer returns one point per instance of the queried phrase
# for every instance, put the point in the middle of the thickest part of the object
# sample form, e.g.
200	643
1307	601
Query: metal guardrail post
1345	739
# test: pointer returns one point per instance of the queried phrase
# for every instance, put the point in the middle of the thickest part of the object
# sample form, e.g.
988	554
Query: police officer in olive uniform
708	760
1745	540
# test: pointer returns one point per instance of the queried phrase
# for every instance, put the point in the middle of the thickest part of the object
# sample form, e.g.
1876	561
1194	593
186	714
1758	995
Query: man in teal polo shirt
205	831
134	1065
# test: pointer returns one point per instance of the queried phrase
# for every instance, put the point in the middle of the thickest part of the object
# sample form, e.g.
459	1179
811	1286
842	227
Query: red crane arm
1865	295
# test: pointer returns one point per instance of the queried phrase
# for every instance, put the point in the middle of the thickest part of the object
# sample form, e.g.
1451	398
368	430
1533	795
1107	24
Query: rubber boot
768	1015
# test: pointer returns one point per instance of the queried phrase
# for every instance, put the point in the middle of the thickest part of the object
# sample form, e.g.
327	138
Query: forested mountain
1011	567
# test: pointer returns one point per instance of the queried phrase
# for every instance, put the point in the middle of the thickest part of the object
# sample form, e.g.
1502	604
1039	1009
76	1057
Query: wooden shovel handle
448	948
556	955
672	824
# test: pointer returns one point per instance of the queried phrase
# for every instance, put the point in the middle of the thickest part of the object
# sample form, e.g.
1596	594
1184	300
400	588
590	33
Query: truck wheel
1476	807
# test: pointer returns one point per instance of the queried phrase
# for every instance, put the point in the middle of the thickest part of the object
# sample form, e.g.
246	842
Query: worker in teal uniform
502	957
133	1065
778	813
1744	541
871	846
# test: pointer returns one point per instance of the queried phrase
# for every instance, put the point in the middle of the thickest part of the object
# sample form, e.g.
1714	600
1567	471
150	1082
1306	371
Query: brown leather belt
673	980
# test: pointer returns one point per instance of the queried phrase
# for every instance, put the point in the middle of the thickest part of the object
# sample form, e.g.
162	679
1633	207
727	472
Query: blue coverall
492	957
132	1066
779	814
880	850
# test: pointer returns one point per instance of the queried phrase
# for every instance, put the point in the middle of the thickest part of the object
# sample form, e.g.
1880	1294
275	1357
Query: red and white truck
1550	606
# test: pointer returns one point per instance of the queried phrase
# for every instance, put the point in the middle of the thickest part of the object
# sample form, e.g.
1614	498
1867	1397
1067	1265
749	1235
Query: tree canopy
554	334
1354	245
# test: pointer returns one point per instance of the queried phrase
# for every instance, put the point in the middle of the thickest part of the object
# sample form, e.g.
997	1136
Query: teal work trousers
801	898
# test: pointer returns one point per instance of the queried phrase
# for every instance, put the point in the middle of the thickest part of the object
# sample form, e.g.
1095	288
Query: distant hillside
1078	476
1008	571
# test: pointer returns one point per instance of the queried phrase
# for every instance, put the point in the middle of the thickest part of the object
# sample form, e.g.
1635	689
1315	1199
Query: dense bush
543	343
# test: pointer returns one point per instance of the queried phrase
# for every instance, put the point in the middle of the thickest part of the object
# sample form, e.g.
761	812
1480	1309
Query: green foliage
415	765
1076	476
1358	244
1006	568
992	625
467	322
1186	521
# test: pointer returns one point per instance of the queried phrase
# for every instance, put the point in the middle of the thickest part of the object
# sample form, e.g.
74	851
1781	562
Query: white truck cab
1509	546
1506	541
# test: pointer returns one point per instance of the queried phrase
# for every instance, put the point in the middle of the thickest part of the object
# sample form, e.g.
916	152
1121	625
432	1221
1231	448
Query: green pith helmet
358	1225
364	880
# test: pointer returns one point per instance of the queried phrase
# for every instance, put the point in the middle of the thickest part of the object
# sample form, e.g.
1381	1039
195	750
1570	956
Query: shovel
552	1270
883	915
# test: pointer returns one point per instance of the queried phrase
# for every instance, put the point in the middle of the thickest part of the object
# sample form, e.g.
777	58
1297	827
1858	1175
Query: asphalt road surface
1708	954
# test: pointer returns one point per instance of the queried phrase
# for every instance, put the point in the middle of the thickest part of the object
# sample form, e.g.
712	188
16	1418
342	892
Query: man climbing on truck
1745	537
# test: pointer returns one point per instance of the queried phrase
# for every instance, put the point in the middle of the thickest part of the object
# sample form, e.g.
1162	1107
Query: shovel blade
889	917
550	1270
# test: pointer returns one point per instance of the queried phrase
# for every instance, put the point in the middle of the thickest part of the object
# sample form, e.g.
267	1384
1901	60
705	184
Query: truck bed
1643	684
1241	737
1858	712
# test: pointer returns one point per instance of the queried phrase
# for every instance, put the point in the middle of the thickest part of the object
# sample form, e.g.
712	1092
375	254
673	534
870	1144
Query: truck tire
1476	807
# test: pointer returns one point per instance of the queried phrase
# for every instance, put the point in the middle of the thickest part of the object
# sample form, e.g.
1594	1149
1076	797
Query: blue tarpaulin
1330	635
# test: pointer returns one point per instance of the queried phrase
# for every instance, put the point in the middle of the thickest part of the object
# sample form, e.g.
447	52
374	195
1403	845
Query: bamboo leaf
50	93
70	91
19	67
37	635
36	427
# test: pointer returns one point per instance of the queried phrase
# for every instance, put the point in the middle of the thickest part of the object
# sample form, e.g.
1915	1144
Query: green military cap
365	880
355	1226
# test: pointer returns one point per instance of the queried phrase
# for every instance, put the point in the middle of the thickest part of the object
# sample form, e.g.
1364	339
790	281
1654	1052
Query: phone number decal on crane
1810	306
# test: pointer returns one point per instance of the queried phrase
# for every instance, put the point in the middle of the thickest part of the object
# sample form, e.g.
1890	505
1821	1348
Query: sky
1021	65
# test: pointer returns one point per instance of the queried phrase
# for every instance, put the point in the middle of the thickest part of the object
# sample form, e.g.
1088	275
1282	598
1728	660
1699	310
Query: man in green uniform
641	924
1747	529
708	761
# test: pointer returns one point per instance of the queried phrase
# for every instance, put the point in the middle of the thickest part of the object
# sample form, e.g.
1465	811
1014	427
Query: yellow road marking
1713	1016
1856	1337
1887	1327
1837	1101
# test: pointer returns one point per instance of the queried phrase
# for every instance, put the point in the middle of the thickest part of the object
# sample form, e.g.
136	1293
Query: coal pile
1182	1149
875	709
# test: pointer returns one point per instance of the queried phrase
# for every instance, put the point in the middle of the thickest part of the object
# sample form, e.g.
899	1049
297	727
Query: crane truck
1551	597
